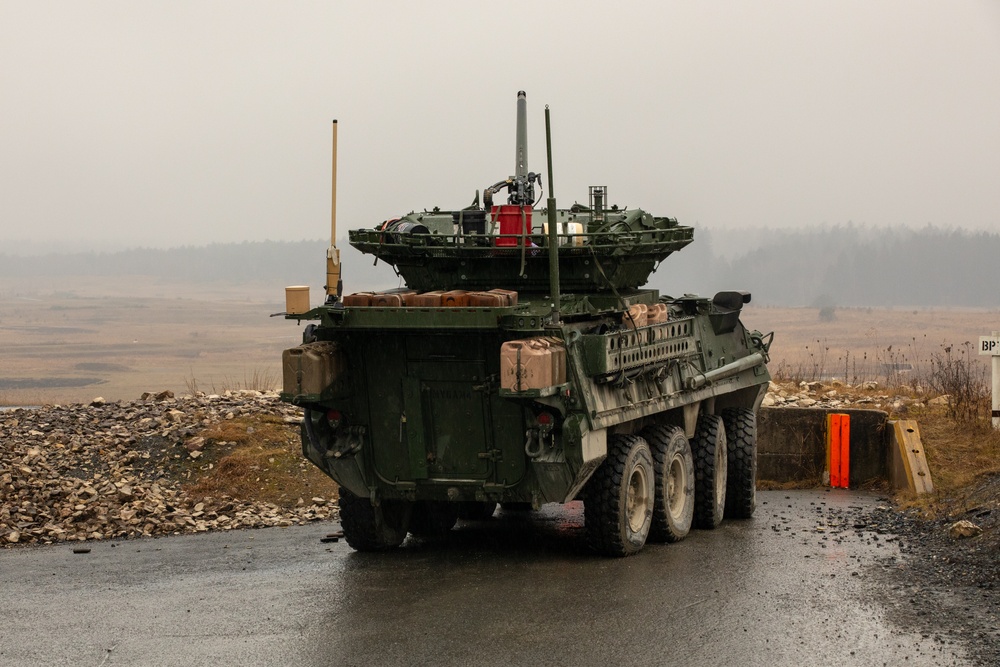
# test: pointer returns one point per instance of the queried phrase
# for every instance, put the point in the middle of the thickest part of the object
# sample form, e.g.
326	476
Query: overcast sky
174	123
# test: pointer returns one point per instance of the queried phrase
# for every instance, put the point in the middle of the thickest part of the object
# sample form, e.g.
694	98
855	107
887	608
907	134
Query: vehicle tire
618	509
476	511
710	466
741	445
433	518
370	528
673	509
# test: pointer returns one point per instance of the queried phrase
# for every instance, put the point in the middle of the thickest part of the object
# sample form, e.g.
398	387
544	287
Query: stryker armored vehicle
523	364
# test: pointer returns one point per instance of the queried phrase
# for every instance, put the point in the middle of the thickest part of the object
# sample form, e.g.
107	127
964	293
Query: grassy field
855	345
72	340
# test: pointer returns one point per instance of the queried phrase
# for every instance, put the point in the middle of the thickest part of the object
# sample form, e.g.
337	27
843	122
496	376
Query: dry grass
259	379
889	345
960	456
258	458
21	397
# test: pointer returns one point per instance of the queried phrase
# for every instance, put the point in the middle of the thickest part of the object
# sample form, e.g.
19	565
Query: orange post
833	448
838	447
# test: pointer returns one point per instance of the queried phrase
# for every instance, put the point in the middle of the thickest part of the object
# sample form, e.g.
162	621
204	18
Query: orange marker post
833	448
838	447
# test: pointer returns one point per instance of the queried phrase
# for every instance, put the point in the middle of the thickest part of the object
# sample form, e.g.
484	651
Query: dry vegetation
893	346
258	457
961	455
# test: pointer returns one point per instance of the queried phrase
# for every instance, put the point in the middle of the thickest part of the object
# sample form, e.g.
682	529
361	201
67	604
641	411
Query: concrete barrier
791	445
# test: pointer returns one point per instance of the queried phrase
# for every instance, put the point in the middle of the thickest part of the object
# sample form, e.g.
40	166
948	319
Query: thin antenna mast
553	237
334	284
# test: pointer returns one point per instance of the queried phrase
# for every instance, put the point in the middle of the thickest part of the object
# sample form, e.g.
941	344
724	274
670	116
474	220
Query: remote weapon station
522	364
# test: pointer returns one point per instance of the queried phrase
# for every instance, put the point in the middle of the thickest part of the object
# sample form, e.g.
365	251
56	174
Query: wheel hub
676	484
720	470
638	502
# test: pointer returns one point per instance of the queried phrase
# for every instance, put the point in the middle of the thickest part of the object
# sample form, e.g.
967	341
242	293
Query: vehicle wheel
476	511
433	518
370	528
673	509
709	449
741	444
618	509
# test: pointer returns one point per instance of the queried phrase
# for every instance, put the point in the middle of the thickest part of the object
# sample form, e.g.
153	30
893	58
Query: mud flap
594	447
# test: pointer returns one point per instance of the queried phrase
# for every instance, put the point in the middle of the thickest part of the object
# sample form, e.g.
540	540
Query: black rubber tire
476	511
741	445
618	509
433	518
673	511
369	528
710	466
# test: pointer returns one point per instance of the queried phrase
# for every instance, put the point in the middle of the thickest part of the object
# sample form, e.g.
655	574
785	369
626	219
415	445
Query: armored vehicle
522	364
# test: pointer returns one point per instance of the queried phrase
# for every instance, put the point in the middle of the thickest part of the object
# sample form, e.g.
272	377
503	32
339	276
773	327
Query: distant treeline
846	265
265	261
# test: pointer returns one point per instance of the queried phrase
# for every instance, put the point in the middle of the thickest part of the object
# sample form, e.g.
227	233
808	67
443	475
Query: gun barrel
521	159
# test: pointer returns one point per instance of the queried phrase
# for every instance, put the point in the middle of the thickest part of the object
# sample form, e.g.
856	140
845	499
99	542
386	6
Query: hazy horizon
190	123
724	243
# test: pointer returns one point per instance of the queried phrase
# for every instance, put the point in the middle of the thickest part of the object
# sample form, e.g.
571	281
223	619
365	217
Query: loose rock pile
836	395
96	471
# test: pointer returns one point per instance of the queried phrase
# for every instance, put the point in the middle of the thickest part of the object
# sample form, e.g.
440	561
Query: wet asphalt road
516	590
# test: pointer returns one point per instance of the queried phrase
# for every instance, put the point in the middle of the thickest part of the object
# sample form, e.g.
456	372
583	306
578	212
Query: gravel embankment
112	470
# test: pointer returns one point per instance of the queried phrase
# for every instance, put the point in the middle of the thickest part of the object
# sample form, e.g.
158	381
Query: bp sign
989	345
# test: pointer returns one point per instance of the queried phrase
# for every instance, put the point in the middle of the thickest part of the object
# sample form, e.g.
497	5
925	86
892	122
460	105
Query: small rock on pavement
964	528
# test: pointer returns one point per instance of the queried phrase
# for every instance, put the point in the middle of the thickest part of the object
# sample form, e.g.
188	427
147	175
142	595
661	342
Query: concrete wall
791	445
